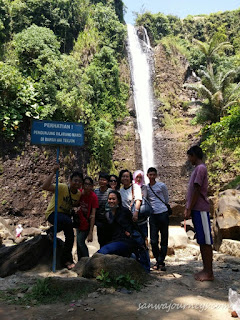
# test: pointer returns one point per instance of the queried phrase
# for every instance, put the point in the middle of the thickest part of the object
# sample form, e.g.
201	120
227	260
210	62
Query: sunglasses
112	180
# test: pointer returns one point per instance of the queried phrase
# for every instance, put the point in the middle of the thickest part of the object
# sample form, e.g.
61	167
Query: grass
45	291
233	184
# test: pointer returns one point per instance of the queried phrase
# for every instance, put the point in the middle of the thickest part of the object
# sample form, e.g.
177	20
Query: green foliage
216	45
111	31
233	184
104	278
104	91
157	25
4	22
122	281
17	100
219	92
34	48
101	140
66	18
117	5
221	143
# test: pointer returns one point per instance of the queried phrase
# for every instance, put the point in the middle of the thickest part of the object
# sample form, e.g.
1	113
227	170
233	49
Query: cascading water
142	91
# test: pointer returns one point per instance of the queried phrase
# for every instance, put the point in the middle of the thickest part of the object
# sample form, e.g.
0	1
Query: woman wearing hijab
138	178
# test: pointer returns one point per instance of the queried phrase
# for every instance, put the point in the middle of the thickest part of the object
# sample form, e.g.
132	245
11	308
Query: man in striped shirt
197	207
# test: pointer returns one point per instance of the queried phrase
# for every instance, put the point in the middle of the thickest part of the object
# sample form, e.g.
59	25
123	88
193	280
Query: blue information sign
56	132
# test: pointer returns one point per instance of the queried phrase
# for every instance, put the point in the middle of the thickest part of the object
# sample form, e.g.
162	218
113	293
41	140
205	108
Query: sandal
69	265
162	266
156	266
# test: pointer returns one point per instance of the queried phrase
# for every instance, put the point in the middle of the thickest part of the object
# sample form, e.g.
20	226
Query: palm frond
226	79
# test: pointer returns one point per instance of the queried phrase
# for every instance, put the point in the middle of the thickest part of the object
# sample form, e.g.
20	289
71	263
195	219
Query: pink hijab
135	174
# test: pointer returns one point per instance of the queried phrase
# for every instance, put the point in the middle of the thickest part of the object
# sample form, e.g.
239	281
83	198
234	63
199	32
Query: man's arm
47	185
92	222
195	196
165	193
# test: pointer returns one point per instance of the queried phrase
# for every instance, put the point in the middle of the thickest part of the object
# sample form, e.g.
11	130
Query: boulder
226	223
113	264
79	267
31	232
177	238
231	247
191	235
26	255
6	230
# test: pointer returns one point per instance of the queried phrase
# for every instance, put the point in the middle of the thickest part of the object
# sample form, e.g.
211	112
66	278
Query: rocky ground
173	293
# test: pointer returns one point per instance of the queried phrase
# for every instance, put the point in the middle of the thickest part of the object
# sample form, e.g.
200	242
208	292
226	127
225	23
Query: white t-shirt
127	195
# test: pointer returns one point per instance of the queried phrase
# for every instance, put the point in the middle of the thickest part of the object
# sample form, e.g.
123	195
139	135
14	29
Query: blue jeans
159	222
82	249
119	248
64	223
144	229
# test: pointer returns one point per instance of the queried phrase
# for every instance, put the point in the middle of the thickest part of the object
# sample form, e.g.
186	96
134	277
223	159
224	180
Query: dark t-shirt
102	200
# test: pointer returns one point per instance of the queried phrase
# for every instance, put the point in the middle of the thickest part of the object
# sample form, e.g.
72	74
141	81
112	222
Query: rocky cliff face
24	167
173	132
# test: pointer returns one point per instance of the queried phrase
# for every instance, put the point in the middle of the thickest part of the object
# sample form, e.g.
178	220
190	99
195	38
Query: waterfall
139	51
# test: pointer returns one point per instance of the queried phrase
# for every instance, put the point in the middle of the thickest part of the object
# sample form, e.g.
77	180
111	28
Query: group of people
114	208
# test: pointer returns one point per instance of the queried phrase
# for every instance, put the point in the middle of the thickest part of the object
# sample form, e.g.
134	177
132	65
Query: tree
17	100
66	18
211	48
219	92
35	47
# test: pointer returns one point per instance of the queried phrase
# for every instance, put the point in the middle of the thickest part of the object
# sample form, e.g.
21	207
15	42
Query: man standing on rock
197	207
68	197
157	194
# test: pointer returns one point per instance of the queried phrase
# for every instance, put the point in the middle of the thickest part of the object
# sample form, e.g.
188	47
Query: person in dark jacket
126	238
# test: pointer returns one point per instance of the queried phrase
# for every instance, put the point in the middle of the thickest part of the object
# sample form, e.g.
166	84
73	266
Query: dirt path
173	294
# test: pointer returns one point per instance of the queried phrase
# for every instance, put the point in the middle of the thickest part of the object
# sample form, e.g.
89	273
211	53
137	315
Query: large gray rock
231	247
226	224
177	238
26	255
115	265
31	232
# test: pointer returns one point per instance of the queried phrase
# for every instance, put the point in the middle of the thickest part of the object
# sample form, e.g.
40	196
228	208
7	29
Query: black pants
104	234
64	223
159	222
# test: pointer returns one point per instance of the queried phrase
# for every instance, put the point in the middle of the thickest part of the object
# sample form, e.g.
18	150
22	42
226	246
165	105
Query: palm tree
211	48
217	93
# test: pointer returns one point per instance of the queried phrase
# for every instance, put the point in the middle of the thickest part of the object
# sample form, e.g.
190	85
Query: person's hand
135	216
90	237
56	167
187	213
127	233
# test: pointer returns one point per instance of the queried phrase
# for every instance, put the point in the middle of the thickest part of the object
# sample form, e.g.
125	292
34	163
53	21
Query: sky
180	8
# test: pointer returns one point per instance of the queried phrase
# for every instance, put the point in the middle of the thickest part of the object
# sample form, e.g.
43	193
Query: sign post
57	133
55	218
